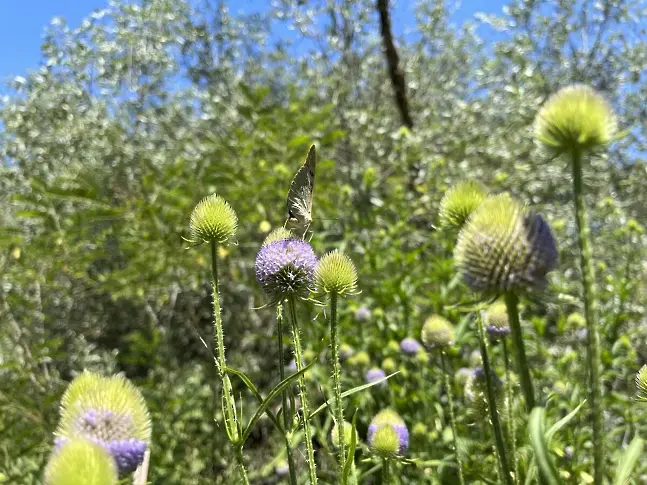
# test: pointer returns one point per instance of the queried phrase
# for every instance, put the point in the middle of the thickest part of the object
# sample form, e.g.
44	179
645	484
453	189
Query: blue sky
22	23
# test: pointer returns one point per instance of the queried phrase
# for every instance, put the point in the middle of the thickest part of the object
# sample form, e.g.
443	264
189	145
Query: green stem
512	305
452	418
512	424
336	377
386	476
303	394
241	466
284	396
229	406
491	397
590	314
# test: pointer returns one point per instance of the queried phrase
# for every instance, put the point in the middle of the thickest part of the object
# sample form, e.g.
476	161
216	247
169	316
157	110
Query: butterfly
300	194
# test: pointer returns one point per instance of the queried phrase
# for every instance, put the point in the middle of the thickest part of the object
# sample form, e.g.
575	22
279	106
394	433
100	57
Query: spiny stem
512	424
512	305
303	394
241	465
491	397
386	478
452	418
590	315
287	418
229	406
336	377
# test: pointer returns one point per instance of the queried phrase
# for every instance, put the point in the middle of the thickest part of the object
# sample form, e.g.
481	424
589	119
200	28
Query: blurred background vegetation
146	107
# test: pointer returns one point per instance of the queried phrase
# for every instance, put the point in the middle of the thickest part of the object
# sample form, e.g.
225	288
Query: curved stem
303	394
590	314
336	377
452	418
512	423
491	397
512	305
229	406
284	397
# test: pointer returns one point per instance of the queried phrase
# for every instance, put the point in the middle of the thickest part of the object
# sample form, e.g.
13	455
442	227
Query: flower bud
389	365
388	443
437	332
212	220
336	274
360	359
80	462
505	248
345	352
459	202
348	433
575	118
496	320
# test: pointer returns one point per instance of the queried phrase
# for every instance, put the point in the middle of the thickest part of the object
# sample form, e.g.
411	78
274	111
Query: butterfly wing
301	192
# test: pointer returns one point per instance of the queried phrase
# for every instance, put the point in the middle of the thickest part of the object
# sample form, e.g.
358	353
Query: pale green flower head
385	442
575	118
641	384
360	359
389	366
212	220
437	332
575	320
278	234
79	462
459	202
348	434
336	274
504	247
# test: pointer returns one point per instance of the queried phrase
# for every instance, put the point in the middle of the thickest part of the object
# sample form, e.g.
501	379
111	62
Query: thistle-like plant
459	202
574	122
336	276
81	462
214	221
285	269
388	438
109	412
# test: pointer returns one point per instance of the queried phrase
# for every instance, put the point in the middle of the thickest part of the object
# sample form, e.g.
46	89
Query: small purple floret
375	374
497	332
410	346
362	314
128	454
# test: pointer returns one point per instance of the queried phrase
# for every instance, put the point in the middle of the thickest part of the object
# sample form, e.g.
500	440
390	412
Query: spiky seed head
110	412
286	267
389	365
278	234
375	374
476	391
575	118
388	443
496	320
437	332
80	462
212	220
505	248
336	274
360	359
459	202
641	384
348	433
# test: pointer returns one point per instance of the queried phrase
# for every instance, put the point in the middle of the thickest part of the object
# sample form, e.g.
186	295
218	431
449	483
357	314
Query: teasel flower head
641	384
392	348
575	321
575	118
110	412
505	248
392	442
345	352
362	314
360	359
476	391
375	374
496	320
81	462
410	346
286	267
459	202
212	220
278	234
437	333
336	274
389	365
282	468
348	434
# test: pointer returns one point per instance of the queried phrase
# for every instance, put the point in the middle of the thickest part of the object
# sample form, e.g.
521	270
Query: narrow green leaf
351	391
270	397
628	461
536	426
250	385
562	422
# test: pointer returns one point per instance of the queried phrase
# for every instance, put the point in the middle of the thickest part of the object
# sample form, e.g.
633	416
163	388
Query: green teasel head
575	321
212	220
360	359
641	384
392	348
389	365
504	247
437	333
496	320
348	434
476	392
80	462
576	117
336	274
278	234
459	202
